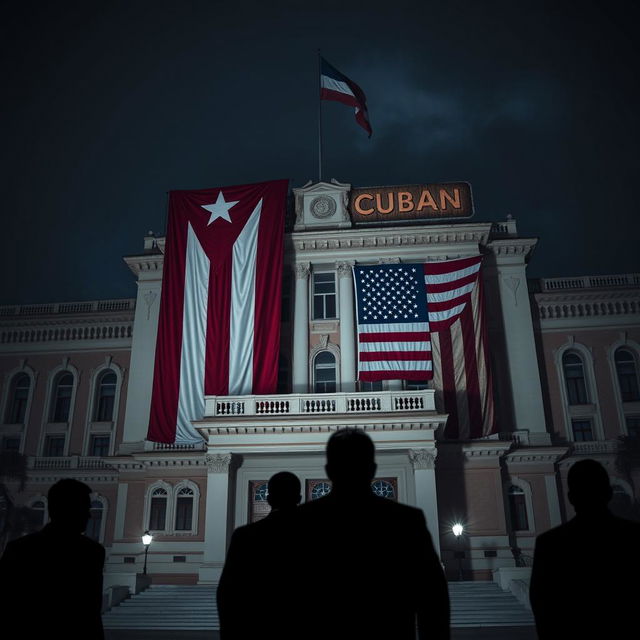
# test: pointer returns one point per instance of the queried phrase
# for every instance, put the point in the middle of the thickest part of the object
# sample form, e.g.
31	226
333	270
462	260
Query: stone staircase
485	604
164	606
192	607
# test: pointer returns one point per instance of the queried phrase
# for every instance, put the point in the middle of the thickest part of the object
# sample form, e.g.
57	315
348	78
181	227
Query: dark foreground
475	633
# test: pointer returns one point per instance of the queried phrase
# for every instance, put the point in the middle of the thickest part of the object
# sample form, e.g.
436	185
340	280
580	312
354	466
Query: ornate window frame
589	411
168	516
334	349
96	497
525	487
186	484
316	270
624	409
43	499
102	428
172	503
19	428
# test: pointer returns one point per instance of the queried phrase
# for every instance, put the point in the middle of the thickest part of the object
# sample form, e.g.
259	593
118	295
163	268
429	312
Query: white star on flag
220	209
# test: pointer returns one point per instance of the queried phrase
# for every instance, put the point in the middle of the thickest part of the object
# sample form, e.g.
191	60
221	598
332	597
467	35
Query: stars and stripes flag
219	325
336	86
425	321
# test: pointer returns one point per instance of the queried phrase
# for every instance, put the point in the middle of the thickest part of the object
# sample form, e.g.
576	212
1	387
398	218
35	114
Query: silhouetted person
257	569
51	581
584	581
367	565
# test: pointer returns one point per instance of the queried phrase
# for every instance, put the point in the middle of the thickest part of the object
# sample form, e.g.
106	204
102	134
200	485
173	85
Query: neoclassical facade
565	355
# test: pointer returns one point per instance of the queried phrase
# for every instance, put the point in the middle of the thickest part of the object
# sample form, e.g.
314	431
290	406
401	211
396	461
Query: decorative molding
303	270
149	298
512	246
218	462
389	261
513	283
146	263
423	458
345	268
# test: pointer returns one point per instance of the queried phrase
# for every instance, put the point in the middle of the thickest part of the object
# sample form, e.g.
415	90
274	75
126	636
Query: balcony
308	404
60	463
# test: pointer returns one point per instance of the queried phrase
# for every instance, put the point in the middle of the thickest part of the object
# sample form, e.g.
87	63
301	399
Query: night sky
108	105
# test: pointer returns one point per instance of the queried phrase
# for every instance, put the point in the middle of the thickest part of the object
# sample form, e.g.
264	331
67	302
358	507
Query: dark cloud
110	105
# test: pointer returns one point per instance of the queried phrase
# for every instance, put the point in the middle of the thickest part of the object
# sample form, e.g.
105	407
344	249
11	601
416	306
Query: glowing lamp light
457	529
146	538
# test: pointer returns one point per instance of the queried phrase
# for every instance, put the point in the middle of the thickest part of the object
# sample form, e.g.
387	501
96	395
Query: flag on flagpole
423	321
219	325
336	86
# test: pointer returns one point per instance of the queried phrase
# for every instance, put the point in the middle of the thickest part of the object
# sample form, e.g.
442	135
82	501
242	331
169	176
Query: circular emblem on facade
323	207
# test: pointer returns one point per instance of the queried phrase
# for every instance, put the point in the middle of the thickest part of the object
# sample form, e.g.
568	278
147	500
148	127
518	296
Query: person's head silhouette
589	487
70	505
350	460
284	491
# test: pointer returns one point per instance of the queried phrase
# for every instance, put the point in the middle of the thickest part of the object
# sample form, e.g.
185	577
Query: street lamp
146	541
458	530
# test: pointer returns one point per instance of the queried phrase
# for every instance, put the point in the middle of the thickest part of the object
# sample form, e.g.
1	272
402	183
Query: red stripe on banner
448	385
442	287
216	374
166	376
395	336
449	304
338	96
376	376
397	356
266	343
448	266
474	402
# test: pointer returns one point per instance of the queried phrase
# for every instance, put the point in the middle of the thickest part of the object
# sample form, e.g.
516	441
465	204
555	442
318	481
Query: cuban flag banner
219	325
336	86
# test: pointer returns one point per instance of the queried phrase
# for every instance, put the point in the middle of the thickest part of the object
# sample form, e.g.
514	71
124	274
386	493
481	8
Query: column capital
302	269
218	462
344	267
423	458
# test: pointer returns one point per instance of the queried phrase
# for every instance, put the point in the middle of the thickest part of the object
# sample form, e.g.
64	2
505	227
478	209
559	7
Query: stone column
424	471
300	376
216	510
508	279
347	326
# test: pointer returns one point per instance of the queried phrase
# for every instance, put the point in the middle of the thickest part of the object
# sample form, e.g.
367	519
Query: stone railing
99	331
595	446
60	463
91	306
320	403
587	308
590	282
161	446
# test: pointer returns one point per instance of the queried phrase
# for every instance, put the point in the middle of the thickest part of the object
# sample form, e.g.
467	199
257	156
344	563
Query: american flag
423	321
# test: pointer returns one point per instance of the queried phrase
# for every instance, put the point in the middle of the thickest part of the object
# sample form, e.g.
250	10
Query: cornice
143	264
529	455
392	236
512	246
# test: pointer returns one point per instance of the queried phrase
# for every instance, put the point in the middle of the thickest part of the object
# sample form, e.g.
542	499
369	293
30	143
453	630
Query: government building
560	378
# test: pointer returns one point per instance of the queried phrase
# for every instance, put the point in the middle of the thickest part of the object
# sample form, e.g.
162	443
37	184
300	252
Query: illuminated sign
432	202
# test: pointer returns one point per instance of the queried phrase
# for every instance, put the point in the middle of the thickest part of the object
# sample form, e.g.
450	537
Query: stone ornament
422	458
303	269
218	462
322	207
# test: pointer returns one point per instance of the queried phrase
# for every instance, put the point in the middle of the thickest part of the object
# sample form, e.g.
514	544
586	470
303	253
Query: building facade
565	356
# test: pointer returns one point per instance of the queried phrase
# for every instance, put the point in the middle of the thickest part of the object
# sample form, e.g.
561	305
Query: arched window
324	372
18	398
574	376
184	509
61	397
627	375
383	489
94	526
518	509
39	511
105	396
158	510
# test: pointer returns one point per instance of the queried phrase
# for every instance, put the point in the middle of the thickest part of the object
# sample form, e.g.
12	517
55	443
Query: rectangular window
633	426
518	505
157	517
582	430
184	514
370	386
99	446
11	443
54	446
324	295
416	385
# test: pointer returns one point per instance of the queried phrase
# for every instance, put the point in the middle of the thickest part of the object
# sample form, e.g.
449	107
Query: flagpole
319	117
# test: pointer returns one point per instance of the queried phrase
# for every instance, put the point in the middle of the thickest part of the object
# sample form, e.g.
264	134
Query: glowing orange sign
411	202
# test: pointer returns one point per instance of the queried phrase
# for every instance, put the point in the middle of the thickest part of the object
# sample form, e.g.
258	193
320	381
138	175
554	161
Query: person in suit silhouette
585	572
257	569
367	566
51	581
